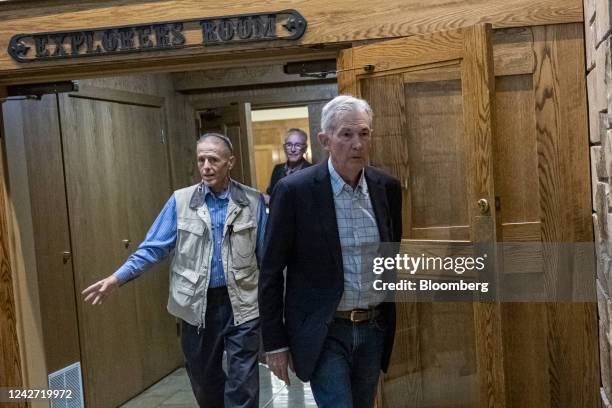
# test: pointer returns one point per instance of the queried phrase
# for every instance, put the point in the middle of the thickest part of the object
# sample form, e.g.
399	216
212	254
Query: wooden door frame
398	18
11	358
13	344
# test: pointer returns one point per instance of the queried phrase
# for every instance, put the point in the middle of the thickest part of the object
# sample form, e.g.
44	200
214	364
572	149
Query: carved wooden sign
209	31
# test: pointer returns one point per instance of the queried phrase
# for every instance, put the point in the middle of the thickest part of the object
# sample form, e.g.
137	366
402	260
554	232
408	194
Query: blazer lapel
378	198
326	211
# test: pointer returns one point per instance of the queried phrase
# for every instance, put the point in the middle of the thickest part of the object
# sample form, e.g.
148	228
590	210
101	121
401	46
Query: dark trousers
348	368
204	353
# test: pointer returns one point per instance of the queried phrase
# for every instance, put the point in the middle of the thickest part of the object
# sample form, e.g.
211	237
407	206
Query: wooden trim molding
115	95
394	18
10	360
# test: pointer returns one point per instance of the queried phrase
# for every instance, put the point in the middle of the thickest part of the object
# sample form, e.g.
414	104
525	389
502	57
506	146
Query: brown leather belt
358	315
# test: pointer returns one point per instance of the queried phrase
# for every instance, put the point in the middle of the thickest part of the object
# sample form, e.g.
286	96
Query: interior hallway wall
50	327
179	115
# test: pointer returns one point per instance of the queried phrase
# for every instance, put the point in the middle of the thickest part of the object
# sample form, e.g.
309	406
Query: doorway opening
89	171
269	132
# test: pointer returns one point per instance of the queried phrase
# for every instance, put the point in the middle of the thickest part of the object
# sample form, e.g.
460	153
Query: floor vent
68	378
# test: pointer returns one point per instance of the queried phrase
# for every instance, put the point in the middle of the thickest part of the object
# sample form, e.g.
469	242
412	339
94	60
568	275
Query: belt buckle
353	313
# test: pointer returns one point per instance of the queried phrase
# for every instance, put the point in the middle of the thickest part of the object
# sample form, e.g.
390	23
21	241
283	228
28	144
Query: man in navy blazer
331	327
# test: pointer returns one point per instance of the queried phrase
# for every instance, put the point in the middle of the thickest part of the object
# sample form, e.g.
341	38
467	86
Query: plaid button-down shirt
359	237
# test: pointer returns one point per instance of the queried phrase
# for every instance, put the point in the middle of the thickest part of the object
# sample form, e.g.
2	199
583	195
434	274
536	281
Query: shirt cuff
123	275
280	350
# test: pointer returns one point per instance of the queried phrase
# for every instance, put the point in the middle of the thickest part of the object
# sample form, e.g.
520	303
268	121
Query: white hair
342	103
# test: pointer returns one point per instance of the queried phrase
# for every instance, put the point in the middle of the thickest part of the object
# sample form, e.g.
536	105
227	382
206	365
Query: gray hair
338	105
299	132
224	139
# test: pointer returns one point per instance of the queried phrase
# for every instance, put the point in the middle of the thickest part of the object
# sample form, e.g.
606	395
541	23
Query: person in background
215	229
296	143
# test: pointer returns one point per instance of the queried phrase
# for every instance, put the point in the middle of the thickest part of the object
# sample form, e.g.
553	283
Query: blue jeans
348	368
204	353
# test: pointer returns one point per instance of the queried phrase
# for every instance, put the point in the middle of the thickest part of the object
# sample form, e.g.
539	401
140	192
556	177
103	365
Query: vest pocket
184	285
242	273
190	234
243	240
246	280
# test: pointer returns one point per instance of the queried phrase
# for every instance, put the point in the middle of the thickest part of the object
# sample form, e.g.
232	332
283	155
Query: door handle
126	242
66	256
483	205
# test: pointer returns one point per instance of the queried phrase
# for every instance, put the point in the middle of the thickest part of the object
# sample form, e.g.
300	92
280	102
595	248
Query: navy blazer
279	172
302	235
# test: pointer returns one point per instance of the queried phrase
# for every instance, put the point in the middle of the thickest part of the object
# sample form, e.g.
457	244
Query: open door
235	122
489	152
432	98
133	333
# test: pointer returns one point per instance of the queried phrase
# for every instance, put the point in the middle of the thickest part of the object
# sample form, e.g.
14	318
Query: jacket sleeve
274	178
262	219
278	248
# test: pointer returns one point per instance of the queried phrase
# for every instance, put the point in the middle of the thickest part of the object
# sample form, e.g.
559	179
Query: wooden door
542	180
34	140
235	122
433	123
117	180
454	127
147	188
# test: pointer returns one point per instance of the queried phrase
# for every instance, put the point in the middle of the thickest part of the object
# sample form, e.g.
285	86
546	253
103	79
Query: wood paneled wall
180	120
33	130
597	30
10	357
540	174
328	23
46	288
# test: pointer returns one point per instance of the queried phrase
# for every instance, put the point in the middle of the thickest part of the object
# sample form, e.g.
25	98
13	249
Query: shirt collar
203	188
298	166
338	184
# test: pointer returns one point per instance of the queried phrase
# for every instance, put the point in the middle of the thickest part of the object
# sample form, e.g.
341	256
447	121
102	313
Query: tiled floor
174	391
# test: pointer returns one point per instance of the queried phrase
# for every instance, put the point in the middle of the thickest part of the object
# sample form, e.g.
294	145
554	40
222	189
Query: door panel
437	180
117	180
542	180
34	126
147	190
97	207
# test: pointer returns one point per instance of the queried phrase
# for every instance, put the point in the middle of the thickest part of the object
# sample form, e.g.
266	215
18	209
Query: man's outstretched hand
99	291
278	363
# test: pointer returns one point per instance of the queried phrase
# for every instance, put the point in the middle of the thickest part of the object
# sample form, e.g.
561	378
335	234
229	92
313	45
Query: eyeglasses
291	146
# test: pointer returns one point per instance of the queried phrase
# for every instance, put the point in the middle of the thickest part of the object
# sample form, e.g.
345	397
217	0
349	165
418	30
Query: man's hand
99	291
278	363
